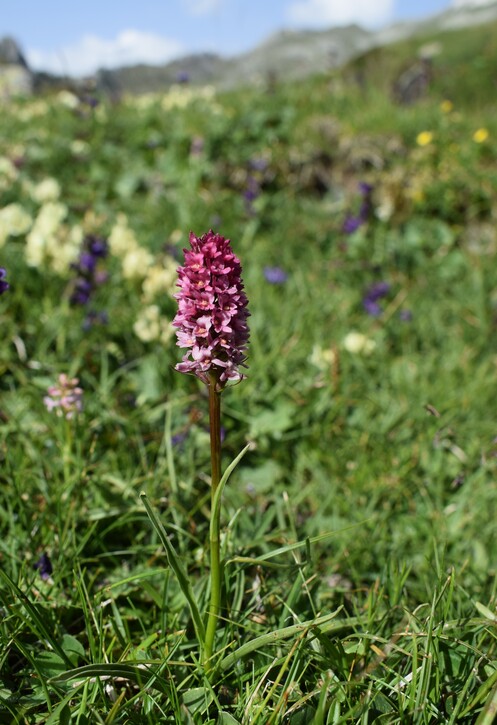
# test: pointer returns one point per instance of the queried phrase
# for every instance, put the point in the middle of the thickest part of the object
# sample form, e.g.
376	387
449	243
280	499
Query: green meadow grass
359	532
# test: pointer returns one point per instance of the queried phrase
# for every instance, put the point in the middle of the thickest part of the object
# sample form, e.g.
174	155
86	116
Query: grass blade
324	624
216	504
179	570
38	624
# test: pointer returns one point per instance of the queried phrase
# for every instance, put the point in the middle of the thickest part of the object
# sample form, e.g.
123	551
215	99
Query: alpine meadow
248	435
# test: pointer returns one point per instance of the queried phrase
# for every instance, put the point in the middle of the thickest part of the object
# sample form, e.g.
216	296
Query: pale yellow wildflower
67	99
14	221
46	190
136	262
64	248
135	259
182	96
322	358
151	326
57	249
357	343
159	280
42	240
79	147
122	238
8	173
176	236
35	109
50	216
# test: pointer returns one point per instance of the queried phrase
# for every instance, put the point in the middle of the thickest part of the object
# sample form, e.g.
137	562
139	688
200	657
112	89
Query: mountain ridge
286	54
290	54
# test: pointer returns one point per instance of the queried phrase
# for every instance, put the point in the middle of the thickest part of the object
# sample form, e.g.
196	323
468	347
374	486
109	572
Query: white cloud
202	7
317	13
91	52
469	3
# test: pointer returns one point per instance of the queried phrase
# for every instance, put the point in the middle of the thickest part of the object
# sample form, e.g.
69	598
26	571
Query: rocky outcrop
15	77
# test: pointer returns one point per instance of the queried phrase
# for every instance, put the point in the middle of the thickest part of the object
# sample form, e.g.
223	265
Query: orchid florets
212	311
66	398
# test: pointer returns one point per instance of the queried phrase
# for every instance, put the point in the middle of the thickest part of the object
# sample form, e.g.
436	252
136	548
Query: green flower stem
67	452
215	556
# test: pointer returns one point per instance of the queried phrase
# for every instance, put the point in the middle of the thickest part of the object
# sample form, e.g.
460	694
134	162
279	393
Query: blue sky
78	37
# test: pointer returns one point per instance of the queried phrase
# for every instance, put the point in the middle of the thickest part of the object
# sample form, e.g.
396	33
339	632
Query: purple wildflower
275	275
179	438
251	193
405	315
4	285
172	250
183	77
254	181
81	291
89	276
370	300
371	307
365	189
44	566
66	398
259	163
91	101
197	146
352	223
252	190
212	311
95	318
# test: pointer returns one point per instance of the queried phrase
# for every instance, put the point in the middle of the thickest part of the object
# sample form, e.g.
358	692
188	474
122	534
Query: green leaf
486	612
323	624
216	504
226	719
37	621
141	673
179	570
273	422
303	716
73	648
197	699
262	478
483	692
287	548
127	184
147	379
487	715
50	664
61	715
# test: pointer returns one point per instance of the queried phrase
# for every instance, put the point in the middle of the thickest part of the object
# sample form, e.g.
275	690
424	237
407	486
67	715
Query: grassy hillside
358	533
463	64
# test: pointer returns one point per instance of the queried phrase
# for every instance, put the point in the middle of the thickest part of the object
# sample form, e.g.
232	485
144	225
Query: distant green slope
464	64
